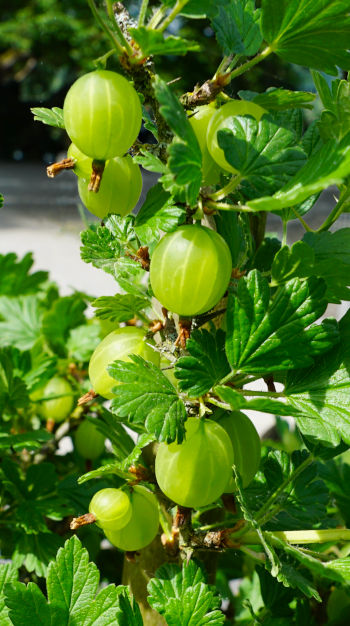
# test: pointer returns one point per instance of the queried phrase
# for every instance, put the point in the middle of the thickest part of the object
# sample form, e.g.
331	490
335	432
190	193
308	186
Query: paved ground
40	215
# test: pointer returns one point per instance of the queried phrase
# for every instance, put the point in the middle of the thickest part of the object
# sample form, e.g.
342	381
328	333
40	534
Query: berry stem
142	13
96	175
60	166
176	10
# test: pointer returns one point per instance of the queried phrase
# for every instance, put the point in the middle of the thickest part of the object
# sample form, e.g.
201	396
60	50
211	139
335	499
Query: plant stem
249	64
299	536
177	8
302	221
142	13
340	207
224	206
156	18
224	191
284	234
118	46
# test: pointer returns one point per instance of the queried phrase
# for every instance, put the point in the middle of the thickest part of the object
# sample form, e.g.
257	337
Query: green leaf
72	584
1	200
119	308
196	9
336	475
336	570
298	260
335	119
66	313
15	279
279	99
8	575
322	393
303	503
153	42
270	334
183	596
158	213
236	400
206	365
31	440
328	166
150	161
111	427
264	153
112	248
237	27
313	34
110	469
51	117
26	603
82	341
35	551
13	391
332	261
185	157
148	397
21	325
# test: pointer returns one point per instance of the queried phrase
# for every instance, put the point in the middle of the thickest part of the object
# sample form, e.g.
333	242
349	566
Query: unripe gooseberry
118	345
112	508
102	114
190	269
119	191
199	119
88	441
60	407
246	446
223	118
143	524
195	472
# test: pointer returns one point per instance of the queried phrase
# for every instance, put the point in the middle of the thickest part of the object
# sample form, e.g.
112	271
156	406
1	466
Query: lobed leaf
206	365
148	397
183	596
158	213
119	308
267	334
15	279
51	117
21	321
237	27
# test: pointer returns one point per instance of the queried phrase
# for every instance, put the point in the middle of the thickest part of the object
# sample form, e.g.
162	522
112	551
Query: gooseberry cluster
130	520
102	116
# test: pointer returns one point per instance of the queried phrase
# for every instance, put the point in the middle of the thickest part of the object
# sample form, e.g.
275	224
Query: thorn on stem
90	395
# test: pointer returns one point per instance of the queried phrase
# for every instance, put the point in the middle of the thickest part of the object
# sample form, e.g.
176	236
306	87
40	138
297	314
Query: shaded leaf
328	166
322	393
158	213
66	313
21	325
153	42
237	27
82	341
15	279
279	99
299	32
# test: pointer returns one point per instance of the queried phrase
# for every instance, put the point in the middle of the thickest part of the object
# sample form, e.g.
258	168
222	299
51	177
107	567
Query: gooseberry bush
167	508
